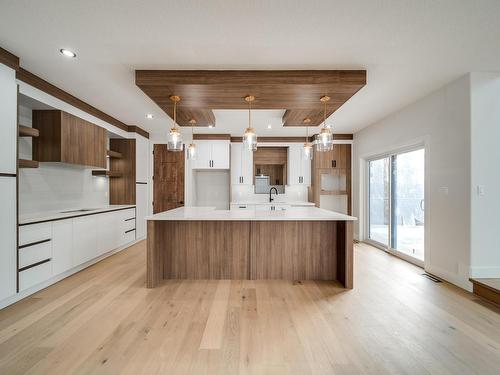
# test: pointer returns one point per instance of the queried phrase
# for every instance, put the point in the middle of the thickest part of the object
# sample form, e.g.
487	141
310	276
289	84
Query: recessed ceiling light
67	52
149	116
269	126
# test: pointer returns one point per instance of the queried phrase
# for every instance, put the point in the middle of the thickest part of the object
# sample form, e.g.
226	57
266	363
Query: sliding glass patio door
396	203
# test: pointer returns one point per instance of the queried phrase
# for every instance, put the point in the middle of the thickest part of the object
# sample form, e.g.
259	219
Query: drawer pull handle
34	264
132	218
34	243
130	230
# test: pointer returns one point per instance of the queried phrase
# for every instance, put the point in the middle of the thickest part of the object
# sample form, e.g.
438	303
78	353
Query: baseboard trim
54	279
485	272
449	277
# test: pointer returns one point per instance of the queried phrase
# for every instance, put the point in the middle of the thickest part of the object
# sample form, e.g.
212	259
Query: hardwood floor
104	321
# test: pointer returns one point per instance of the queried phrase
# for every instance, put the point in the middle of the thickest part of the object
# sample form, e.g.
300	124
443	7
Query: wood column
345	262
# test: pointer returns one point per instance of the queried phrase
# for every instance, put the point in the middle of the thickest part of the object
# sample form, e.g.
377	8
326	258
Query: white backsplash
212	189
245	193
56	186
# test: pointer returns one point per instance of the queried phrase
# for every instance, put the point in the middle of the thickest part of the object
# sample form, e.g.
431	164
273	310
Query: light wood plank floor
104	321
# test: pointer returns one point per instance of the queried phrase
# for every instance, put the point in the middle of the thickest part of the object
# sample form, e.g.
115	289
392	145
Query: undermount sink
79	210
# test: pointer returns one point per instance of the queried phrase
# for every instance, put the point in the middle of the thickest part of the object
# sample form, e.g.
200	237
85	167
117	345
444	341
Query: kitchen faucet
270	192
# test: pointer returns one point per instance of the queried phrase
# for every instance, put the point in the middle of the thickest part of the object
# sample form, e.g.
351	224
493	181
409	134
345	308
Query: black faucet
270	192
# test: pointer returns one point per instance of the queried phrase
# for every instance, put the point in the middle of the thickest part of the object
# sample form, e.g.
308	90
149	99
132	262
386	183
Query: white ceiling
409	48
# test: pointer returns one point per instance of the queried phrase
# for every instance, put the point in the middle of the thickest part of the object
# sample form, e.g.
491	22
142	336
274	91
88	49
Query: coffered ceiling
408	48
296	91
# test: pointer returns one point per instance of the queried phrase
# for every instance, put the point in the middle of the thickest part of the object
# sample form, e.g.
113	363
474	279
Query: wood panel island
305	243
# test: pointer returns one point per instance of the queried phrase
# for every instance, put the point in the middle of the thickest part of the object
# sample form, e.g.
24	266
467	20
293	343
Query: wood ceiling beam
296	91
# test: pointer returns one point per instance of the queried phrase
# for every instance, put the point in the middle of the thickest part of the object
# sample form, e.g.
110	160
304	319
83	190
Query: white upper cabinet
142	159
299	170
8	120
241	165
211	155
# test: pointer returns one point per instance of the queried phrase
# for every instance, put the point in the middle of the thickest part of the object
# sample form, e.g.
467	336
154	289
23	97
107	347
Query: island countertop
211	214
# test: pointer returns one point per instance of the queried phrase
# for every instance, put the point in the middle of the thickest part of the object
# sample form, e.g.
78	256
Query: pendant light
307	153
324	140
191	151
174	137
250	137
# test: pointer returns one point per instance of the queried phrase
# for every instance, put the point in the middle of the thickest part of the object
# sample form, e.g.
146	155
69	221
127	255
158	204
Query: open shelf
114	154
107	173
26	131
25	163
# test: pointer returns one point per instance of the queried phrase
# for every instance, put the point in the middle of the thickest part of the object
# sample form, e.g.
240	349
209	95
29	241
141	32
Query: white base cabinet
8	223
49	249
84	238
62	246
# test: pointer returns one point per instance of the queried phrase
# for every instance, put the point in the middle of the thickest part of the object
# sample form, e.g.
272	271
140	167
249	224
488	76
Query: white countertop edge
57	215
211	214
289	203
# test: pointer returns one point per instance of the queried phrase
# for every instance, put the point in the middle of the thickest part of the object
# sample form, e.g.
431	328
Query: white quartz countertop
32	218
210	213
288	203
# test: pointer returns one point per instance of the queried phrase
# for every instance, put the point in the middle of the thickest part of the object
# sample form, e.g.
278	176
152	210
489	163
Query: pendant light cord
175	114
249	113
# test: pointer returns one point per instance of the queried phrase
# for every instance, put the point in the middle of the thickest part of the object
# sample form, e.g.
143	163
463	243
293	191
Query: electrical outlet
480	190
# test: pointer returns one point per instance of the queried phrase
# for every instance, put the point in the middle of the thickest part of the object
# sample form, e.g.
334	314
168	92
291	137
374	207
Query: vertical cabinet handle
334	163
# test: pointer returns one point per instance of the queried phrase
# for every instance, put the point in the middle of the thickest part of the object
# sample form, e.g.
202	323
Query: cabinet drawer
127	214
129	236
128	224
32	254
35	232
242	207
35	275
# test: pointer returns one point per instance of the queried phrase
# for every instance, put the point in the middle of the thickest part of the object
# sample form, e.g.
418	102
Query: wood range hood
295	91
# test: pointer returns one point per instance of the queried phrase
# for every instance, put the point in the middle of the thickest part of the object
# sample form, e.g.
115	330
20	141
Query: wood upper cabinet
339	157
68	139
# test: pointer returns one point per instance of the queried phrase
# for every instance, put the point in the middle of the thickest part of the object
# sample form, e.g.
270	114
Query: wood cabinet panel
293	250
122	190
68	139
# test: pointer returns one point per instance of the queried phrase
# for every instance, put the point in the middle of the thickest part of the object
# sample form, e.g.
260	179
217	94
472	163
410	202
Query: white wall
485	173
56	186
440	122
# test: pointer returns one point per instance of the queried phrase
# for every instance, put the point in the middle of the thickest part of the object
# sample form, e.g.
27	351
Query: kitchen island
300	243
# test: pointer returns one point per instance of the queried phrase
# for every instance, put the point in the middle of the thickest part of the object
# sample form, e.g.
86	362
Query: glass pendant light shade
324	140
250	136
191	150
307	151
250	139
174	142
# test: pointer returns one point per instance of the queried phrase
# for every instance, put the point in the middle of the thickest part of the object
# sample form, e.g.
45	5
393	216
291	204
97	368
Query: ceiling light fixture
191	151
149	116
174	137
307	153
67	52
250	137
324	140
